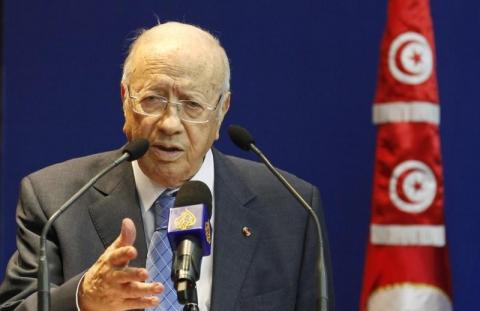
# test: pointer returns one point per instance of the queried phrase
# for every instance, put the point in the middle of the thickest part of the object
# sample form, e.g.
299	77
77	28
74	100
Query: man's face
177	148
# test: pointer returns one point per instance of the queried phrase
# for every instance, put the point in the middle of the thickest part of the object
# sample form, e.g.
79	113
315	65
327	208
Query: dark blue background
303	79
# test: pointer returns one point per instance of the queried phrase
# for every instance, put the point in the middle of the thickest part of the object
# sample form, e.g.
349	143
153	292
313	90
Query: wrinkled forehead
192	60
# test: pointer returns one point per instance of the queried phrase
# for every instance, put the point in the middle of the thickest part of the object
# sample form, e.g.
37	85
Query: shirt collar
148	190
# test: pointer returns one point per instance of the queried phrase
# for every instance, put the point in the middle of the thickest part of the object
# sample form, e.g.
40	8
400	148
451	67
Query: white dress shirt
149	191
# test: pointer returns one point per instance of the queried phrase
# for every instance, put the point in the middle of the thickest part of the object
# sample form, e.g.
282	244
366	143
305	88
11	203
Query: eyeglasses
151	104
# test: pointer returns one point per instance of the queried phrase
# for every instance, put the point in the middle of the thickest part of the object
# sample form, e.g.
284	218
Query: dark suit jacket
270	270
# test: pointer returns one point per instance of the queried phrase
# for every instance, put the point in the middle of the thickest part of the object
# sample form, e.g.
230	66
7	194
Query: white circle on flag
409	296
410	58
412	186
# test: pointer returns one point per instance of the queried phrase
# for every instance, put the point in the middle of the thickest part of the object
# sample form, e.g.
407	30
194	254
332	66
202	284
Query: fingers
140	289
129	275
118	288
121	256
127	234
140	303
111	285
132	284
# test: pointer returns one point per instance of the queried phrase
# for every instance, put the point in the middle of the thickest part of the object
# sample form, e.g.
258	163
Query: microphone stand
43	277
321	271
191	303
191	307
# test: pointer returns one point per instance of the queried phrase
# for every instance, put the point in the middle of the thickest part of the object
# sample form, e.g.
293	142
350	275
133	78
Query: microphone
132	151
190	236
242	139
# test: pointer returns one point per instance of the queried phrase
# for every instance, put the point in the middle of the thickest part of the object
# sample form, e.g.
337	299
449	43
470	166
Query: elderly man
175	92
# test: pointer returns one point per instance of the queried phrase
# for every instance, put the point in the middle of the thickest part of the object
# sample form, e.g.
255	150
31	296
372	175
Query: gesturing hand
111	285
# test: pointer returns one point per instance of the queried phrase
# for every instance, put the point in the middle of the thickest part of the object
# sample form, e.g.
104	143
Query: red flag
407	261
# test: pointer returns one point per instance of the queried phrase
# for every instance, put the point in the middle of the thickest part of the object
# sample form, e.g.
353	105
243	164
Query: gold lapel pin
246	231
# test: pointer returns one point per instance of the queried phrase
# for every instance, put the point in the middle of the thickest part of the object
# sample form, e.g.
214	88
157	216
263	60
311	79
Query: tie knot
162	207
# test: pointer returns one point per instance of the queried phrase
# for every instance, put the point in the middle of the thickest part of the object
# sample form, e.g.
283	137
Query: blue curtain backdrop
303	80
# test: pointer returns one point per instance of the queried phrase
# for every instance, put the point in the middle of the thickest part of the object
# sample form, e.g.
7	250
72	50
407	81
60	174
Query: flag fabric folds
407	260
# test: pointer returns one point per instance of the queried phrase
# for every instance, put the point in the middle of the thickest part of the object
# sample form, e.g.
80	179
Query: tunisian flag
407	261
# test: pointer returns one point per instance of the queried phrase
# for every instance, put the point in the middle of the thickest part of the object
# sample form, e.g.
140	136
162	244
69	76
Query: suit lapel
234	209
118	201
233	251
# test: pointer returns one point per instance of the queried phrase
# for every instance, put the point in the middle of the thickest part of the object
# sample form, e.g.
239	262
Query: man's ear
224	109
122	91
226	105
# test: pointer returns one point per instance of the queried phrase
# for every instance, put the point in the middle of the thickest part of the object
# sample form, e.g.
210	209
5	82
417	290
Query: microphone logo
190	220
208	232
185	221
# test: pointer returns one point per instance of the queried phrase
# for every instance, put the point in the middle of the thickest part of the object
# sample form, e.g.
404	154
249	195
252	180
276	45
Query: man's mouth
167	152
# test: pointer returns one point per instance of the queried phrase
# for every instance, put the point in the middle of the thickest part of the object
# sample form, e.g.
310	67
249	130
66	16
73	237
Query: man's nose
170	120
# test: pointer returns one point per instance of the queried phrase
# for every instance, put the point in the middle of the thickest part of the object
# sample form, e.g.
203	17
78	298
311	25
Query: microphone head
136	149
240	137
194	192
190	218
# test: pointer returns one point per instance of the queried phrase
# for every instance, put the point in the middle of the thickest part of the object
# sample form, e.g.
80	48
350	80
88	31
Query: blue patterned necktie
159	257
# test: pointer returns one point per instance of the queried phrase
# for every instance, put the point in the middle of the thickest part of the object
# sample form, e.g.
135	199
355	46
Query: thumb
127	233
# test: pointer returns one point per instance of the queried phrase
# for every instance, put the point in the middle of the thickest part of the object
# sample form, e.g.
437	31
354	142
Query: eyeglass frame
177	104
